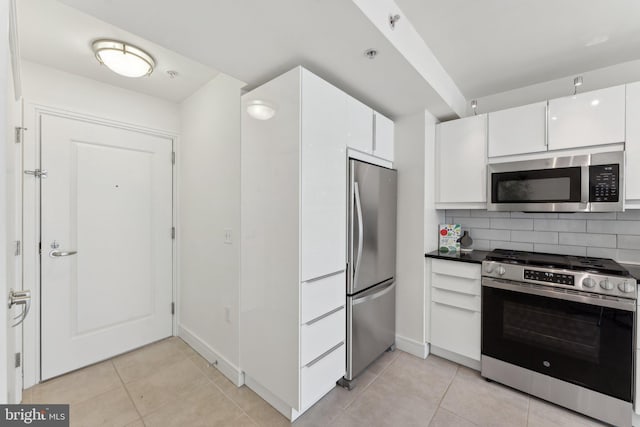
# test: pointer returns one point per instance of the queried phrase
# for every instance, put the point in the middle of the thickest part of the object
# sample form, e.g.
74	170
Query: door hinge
18	251
173	157
173	232
173	308
18	360
40	248
19	134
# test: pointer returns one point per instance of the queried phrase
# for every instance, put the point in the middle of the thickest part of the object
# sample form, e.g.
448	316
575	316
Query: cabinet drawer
320	378
456	330
456	284
456	299
322	295
456	268
319	336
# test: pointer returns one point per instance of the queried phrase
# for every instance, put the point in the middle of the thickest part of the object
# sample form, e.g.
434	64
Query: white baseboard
228	369
286	410
417	348
454	357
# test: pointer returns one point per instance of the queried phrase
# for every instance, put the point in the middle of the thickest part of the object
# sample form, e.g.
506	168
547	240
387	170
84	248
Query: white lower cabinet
319	376
456	310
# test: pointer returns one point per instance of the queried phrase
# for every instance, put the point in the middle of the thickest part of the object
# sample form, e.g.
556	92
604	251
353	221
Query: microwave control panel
604	183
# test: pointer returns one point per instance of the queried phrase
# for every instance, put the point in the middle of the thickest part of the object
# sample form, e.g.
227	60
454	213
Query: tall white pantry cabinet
293	251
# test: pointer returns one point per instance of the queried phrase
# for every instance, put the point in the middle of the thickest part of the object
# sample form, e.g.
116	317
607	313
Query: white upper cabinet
368	131
587	119
360	126
632	146
383	137
323	178
461	158
518	130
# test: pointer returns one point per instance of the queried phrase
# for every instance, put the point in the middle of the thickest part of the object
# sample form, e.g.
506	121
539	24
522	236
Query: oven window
537	186
587	345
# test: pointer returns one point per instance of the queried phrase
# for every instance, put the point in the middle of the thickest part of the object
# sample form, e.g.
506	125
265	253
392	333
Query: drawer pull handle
456	307
319	318
323	355
455	291
324	276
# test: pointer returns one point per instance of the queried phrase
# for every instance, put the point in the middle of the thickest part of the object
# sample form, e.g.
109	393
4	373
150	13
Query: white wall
414	156
209	203
51	87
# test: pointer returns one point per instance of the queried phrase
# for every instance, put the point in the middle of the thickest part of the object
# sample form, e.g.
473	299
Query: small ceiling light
172	74
261	110
595	102
123	58
474	106
392	20
577	82
370	53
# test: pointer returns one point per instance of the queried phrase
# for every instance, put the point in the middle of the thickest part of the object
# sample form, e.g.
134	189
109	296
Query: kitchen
442	177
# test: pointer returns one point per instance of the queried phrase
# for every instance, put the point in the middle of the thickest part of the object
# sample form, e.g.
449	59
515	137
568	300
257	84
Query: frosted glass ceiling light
123	59
261	110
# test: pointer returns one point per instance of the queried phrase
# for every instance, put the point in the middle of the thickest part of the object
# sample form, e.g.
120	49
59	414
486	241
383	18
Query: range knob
501	270
588	282
606	285
489	267
627	286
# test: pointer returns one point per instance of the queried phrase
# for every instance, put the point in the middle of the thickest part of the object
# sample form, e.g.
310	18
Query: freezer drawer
371	326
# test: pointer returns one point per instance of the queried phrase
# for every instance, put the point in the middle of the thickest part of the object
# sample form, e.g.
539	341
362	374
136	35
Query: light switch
227	236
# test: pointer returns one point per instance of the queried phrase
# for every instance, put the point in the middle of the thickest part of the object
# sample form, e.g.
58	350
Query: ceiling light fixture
474	106
392	20
371	53
261	110
577	82
123	58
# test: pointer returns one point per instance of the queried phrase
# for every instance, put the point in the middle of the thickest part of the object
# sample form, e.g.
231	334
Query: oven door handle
545	291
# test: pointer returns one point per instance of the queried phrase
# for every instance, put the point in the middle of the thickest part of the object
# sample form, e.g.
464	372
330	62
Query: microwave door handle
584	183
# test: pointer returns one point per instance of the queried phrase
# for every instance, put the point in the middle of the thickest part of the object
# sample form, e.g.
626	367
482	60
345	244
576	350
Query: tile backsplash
609	235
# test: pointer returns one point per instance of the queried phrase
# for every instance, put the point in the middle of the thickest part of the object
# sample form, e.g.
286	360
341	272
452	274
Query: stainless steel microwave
586	183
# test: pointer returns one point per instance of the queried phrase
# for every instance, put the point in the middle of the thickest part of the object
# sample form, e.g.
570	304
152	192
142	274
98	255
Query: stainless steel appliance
561	328
587	183
371	301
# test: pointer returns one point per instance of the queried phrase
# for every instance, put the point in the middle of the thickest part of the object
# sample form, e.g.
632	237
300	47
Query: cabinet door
359	125
461	159
383	137
456	329
586	119
323	192
518	130
632	145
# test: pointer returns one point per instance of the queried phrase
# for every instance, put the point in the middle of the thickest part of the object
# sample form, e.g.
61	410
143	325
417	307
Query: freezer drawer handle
322	316
323	355
379	294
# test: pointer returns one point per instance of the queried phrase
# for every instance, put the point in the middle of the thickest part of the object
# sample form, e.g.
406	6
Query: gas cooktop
566	262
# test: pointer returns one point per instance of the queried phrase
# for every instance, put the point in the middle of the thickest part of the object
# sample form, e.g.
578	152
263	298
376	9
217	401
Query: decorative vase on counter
465	242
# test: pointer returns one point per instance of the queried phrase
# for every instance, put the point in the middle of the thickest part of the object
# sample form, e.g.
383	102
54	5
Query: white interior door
106	245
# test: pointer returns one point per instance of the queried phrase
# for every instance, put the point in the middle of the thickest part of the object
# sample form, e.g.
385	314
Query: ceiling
59	36
256	40
492	46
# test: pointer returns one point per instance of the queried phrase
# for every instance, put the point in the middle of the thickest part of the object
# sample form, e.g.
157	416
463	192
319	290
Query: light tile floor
169	384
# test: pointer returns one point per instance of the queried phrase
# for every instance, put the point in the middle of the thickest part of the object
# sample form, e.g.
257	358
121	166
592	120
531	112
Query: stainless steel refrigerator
371	300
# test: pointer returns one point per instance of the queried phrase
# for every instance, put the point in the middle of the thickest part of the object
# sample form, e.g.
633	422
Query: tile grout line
445	393
375	378
128	393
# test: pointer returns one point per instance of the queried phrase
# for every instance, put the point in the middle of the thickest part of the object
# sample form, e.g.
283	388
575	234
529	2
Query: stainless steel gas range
561	328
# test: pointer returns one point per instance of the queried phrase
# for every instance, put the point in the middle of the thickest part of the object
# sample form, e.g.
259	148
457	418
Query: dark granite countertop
475	256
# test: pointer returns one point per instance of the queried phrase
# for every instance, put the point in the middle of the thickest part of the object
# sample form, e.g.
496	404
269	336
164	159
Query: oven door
546	185
558	333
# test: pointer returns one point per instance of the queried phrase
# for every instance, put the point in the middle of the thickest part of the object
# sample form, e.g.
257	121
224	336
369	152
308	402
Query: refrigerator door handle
391	286
356	270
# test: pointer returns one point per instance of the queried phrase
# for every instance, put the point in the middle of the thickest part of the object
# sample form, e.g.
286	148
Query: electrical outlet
227	236
227	314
